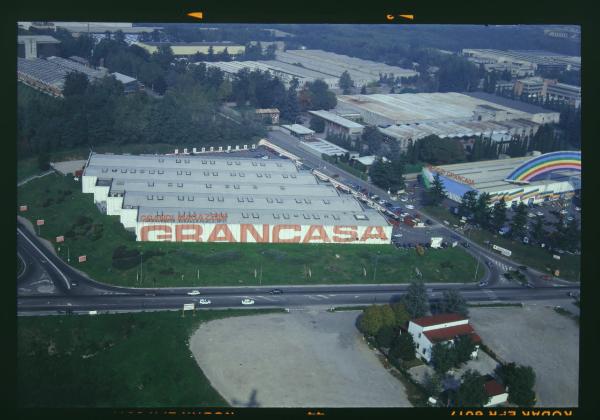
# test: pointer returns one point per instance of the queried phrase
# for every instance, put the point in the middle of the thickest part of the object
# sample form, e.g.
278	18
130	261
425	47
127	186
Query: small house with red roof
440	328
497	393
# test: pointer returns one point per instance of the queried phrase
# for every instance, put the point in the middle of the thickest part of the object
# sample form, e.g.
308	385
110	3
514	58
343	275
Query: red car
546	277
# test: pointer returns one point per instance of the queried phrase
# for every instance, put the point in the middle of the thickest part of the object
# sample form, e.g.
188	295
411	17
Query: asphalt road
80	294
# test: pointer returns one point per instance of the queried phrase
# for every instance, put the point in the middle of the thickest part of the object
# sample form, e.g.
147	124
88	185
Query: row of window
246	215
239	199
212	162
180	172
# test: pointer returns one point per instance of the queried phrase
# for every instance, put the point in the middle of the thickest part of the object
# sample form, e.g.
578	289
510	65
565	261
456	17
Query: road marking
312	297
24	266
51	263
323	296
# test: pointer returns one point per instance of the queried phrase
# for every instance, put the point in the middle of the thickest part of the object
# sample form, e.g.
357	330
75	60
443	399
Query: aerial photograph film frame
271	12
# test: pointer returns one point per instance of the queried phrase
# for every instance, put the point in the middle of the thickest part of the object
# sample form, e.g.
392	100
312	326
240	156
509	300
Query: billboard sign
40	222
23	208
82	258
436	242
265	233
60	239
188	306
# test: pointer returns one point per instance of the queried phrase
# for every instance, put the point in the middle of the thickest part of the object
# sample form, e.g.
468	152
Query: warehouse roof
232	201
123	78
509	103
42	70
78	67
336	119
119	186
325	147
367	217
298	129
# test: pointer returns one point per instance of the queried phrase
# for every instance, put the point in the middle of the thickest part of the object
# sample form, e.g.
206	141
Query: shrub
124	258
385	336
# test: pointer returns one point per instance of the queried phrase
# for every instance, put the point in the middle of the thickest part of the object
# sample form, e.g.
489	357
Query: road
76	292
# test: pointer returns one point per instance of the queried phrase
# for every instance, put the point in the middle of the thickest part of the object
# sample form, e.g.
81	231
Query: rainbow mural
549	162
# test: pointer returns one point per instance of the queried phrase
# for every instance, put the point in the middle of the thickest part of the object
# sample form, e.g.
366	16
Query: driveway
299	359
536	336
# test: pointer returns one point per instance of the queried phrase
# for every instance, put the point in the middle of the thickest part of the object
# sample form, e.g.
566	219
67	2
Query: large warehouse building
529	180
409	117
227	199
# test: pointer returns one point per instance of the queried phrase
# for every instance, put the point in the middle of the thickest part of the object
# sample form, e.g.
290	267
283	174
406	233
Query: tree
443	357
433	384
43	161
437	192
437	151
163	56
468	203
471	392
537	230
403	347
498	214
518	222
400	313
463	347
318	96
346	83
520	381
75	84
317	124
363	90
453	302
385	336
374	317
415	300
482	210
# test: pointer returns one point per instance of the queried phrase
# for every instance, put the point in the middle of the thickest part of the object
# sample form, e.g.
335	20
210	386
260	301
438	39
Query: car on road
410	207
428	222
466	244
531	286
570	218
482	283
265	157
577	209
545	277
247	302
204	302
404	199
398	235
489	264
276	291
522	267
530	215
564	212
194	293
539	213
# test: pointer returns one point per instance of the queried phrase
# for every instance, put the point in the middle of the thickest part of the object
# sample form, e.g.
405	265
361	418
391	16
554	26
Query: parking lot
309	358
536	336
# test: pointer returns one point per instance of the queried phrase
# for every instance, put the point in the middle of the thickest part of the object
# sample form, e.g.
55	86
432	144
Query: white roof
123	78
298	129
367	160
336	119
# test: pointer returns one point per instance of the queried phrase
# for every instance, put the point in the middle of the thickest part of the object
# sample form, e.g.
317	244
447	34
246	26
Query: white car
577	209
194	293
247	302
410	207
564	212
204	302
404	199
539	213
570	218
265	157
399	235
530	215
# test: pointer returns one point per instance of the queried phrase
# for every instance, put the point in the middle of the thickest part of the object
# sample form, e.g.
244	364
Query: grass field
59	201
118	360
26	168
530	255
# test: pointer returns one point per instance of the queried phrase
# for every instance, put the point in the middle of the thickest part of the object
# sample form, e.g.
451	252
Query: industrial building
531	179
186	198
78	28
28	45
298	130
320	147
187	49
565	93
524	59
334	124
48	76
361	71
410	116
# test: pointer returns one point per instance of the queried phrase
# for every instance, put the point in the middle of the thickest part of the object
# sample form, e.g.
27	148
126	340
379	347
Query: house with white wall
440	328
497	393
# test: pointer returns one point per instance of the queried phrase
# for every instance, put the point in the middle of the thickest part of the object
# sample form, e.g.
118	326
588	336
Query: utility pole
68	254
141	266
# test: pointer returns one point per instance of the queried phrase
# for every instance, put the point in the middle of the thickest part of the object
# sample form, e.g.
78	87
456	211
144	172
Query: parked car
466	244
530	215
194	293
204	302
428	222
276	291
539	213
564	212
522	267
410	207
247	302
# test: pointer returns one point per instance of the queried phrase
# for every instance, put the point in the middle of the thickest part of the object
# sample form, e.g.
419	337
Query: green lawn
26	168
219	264
530	255
118	360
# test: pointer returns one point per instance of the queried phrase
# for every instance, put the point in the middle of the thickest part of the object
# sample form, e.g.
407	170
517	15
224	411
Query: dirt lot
537	336
297	359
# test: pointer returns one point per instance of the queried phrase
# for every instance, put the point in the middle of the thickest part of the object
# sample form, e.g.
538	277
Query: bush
385	336
167	271
403	347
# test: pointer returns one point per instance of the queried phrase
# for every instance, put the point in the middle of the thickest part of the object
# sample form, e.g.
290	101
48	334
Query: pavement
309	358
535	336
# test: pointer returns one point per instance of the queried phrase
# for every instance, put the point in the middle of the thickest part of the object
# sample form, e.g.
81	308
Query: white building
441	328
227	199
334	124
497	393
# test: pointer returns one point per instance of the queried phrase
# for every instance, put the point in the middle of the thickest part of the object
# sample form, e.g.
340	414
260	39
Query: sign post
187	307
39	222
